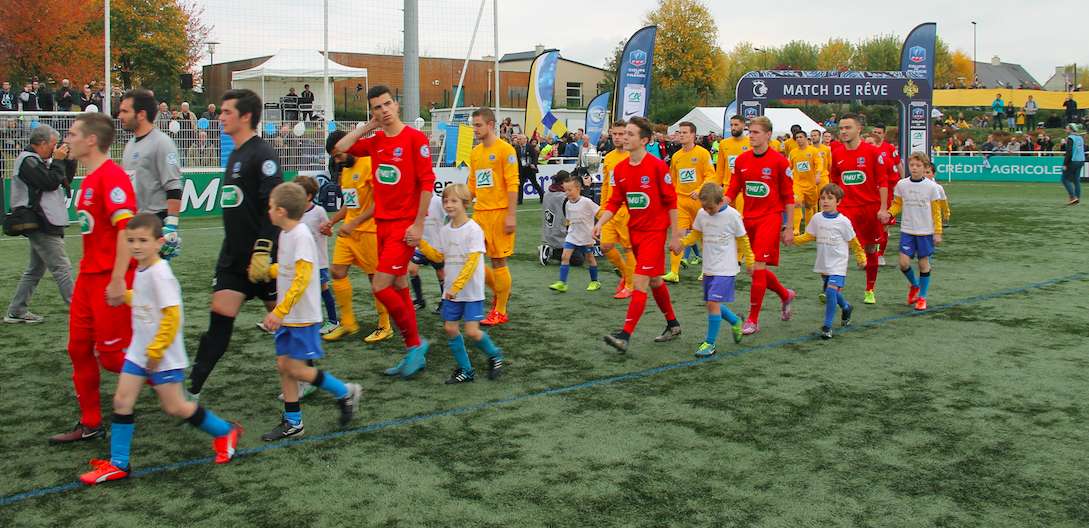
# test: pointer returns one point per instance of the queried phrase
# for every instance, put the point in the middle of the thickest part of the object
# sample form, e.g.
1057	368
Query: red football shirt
861	173
647	190
402	170
104	206
767	182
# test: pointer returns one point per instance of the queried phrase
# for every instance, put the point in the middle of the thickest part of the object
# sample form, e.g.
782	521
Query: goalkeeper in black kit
242	271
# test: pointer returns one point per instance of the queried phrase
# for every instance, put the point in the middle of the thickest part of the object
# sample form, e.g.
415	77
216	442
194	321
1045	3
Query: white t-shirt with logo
915	218
294	245
720	232
153	289
580	221
313	218
436	218
834	237
456	243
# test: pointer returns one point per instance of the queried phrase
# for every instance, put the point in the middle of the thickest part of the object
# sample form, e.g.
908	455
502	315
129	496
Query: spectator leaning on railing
42	187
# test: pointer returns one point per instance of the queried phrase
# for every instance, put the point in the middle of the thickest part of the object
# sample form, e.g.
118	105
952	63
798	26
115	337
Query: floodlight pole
328	108
495	35
974	52
410	107
109	84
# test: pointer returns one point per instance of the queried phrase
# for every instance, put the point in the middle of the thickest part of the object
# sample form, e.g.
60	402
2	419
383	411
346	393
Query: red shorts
868	227
649	249
393	252
765	233
92	320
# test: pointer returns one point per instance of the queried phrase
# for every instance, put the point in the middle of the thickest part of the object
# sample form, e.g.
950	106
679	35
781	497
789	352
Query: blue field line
398	422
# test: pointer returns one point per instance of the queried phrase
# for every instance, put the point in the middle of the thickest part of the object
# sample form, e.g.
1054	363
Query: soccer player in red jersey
765	176
643	183
893	164
403	182
99	325
860	170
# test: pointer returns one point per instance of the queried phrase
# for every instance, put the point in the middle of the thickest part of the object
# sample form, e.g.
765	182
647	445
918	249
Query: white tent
293	68
709	119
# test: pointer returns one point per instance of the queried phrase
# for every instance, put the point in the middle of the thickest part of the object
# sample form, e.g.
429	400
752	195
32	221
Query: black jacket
40	178
65	99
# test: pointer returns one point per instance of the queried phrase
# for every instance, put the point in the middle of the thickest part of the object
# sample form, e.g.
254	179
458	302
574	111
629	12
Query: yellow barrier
984	97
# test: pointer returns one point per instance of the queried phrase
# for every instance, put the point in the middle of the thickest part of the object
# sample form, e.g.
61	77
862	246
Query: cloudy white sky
1038	34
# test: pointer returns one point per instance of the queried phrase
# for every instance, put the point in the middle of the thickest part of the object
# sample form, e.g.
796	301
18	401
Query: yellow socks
342	293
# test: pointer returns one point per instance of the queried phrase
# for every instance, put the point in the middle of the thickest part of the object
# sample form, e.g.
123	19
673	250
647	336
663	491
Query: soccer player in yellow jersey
806	165
356	243
690	167
817	140
493	180
615	240
790	144
729	148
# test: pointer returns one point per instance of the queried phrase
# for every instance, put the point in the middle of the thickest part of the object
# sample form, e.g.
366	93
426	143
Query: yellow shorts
806	198
497	244
616	231
687	209
359	249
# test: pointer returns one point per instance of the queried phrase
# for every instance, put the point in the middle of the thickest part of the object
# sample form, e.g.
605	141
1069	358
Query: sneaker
261	326
27	317
623	293
284	430
349	403
78	433
684	263
750	328
305	389
845	315
705	350
103	471
700	278
419	304
619	284
913	293
436	310
696	260
495	318
737	330
786	313
396	369
379	334
593	286
226	445
329	326
870	297
415	360
461	376
920	304
671	277
822	297
826	333
617	341
495	367
881	261
340	332
559	286
669	334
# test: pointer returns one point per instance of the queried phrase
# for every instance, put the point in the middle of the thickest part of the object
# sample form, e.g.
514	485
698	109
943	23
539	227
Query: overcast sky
1038	34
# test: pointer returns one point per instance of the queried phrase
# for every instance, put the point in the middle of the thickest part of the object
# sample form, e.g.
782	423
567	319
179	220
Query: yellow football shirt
357	192
493	172
690	170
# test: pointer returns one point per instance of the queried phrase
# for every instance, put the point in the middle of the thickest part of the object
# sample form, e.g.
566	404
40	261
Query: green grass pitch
970	415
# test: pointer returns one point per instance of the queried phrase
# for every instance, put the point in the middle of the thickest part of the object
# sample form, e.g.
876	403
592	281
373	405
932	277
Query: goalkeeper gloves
260	261
171	239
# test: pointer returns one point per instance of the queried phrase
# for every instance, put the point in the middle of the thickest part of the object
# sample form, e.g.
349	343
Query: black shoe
826	332
670	333
419	304
846	316
79	433
461	376
495	367
618	340
284	430
348	404
438	308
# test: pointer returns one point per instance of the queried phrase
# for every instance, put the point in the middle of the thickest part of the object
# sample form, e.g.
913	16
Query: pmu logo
917	54
637	58
759	89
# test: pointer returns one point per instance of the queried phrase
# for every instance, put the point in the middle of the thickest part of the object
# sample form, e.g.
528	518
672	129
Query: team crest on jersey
644	180
687	175
491	157
117	195
511	159
855	177
86	222
268	168
693	159
861	161
766	171
388	174
668	179
88	195
757	189
232	196
397	151
425	151
638	200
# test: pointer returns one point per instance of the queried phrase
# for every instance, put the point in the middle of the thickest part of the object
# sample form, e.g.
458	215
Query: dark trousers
525	174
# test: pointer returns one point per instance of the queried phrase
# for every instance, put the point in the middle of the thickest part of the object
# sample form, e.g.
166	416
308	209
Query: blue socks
830	304
729	316
593	273
461	356
293	412
329	383
121	439
713	324
910	275
564	270
488	347
208	422
330	305
924	284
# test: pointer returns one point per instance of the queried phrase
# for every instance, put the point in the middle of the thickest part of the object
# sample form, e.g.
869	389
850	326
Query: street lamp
765	52
211	52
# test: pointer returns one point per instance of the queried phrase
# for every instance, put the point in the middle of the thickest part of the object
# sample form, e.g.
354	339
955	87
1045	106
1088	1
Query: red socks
871	270
774	284
661	296
756	294
403	313
636	305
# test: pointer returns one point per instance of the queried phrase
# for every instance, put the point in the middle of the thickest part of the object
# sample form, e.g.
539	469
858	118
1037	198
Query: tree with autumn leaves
152	41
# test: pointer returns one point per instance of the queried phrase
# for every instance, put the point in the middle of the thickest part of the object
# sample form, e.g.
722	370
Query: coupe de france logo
637	58
917	54
268	168
759	89
597	115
